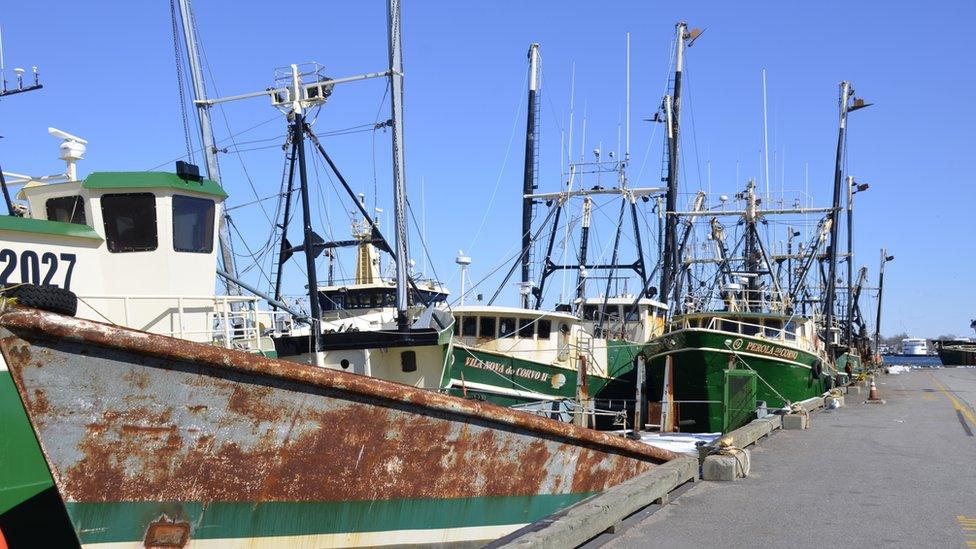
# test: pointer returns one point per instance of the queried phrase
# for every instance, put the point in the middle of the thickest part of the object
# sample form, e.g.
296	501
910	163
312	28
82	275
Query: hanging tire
828	382
816	369
46	298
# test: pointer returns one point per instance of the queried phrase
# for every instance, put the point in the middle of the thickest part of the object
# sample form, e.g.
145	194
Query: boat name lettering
505	370
772	350
32	264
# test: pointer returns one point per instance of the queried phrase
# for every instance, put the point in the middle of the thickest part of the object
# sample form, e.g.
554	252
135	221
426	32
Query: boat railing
226	321
737	300
781	334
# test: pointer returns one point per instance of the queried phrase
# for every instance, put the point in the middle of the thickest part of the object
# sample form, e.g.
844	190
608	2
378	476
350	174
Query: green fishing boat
702	353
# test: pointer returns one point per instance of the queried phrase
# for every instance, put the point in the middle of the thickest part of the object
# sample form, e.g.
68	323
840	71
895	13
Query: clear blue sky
109	76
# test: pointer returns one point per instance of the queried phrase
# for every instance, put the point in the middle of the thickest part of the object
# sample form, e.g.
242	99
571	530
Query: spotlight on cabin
187	171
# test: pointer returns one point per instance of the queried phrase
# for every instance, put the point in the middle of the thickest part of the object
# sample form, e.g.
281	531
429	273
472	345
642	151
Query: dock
899	474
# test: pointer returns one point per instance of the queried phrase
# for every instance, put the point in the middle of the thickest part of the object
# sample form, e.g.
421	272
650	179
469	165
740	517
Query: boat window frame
789	330
77	210
526	328
466	321
112	235
503	331
543	325
205	223
727	325
749	329
770	328
489	320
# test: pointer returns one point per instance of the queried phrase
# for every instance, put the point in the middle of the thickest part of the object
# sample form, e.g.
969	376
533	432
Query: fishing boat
160	442
712	365
549	361
747	336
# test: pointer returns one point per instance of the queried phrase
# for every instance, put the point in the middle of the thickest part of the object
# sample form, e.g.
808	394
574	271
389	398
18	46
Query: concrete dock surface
901	474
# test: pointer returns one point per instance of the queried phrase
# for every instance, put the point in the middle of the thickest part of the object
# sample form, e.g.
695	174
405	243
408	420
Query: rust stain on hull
127	416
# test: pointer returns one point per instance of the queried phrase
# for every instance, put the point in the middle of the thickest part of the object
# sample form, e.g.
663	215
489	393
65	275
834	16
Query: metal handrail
227	327
782	334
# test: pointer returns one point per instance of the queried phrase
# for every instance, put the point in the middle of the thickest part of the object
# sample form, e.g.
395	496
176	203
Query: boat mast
846	93
672	108
297	128
528	180
849	334
584	241
877	323
399	174
207	142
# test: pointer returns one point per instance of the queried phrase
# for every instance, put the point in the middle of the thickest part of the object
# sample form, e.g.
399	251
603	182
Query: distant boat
914	346
957	352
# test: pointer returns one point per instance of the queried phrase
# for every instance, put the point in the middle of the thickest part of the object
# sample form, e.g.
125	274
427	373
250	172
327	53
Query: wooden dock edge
756	429
589	518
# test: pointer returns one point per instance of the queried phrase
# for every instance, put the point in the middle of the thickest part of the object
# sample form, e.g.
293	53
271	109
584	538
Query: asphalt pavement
901	474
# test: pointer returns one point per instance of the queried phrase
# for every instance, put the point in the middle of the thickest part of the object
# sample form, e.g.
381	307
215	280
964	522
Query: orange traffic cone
873	397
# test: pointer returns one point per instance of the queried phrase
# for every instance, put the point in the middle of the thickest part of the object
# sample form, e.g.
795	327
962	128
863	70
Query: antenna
627	149
20	76
765	135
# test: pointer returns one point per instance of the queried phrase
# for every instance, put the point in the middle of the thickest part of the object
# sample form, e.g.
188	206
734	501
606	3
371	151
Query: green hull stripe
508	372
127	521
23	471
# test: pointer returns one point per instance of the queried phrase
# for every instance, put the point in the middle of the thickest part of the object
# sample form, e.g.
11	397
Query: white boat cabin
139	249
624	317
542	336
368	301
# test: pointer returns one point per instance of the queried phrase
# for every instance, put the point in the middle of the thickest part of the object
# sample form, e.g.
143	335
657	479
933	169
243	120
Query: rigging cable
501	171
178	54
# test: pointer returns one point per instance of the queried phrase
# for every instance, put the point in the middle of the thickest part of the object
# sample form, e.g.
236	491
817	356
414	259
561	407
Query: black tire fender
47	298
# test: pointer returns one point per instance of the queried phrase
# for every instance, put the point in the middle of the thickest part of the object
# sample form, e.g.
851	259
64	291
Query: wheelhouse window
193	224
631	313
773	328
486	326
790	332
526	327
469	326
727	326
69	209
750	329
130	222
506	327
543	328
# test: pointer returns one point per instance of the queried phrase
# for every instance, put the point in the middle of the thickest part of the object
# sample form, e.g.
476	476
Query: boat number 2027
34	268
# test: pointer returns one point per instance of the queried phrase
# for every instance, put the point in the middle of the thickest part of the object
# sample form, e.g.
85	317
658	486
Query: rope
727	448
744	363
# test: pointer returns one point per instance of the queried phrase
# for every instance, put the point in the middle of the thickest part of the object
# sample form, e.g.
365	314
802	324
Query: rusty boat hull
156	441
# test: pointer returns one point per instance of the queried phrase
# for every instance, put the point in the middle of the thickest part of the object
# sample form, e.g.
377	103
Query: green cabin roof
43	226
154	180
